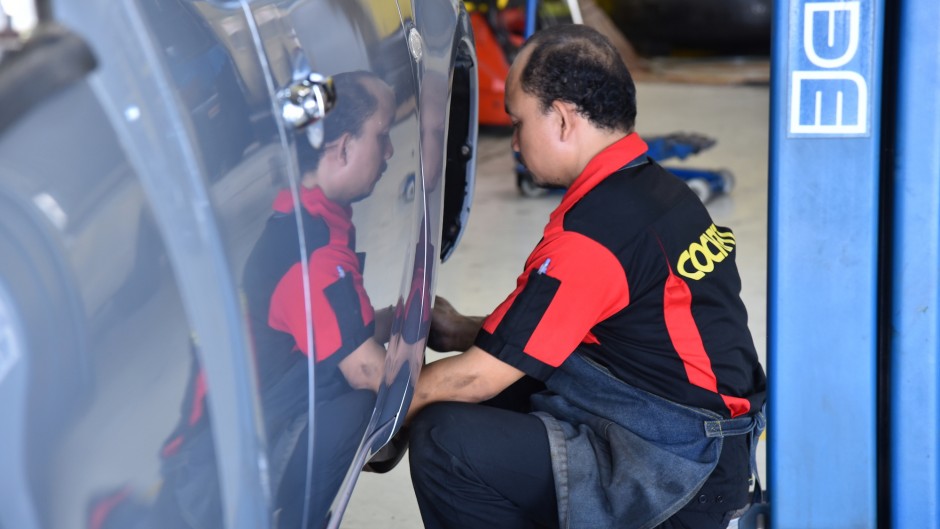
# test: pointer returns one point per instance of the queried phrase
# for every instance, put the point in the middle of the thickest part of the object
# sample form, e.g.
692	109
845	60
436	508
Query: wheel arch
462	133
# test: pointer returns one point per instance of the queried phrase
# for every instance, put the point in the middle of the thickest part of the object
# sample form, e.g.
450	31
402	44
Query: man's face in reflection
364	155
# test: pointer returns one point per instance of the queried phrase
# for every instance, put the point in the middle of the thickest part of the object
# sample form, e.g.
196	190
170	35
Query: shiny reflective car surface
220	224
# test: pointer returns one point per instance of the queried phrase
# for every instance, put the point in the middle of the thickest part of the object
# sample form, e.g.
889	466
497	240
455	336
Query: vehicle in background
723	27
145	147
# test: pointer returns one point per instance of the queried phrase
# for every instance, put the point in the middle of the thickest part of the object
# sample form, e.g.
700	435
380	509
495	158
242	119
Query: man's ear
566	114
342	148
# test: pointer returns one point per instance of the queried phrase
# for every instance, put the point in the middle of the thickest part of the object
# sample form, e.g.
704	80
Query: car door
131	197
144	210
361	46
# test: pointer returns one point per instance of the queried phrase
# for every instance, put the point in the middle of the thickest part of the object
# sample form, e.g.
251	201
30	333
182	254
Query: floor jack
707	184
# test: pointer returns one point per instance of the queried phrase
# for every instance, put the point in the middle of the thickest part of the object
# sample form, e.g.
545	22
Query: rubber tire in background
700	187
35	274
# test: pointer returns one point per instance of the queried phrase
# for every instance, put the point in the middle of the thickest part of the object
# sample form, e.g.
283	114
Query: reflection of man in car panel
346	331
348	361
344	170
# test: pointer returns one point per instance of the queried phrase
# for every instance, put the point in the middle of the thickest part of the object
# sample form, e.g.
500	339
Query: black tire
727	180
47	304
700	187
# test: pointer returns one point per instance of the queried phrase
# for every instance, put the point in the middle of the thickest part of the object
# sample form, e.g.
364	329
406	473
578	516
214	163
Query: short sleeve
342	315
569	285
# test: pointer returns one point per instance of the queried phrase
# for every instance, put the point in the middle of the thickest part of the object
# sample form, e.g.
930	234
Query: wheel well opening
461	136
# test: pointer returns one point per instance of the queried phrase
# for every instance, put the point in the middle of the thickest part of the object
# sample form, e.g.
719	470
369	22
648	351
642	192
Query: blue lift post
915	344
823	263
854	279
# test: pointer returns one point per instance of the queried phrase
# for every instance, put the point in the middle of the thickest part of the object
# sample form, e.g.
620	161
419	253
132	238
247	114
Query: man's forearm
363	368
473	376
443	381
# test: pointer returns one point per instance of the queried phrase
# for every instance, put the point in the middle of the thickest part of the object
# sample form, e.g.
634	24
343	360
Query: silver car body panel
130	201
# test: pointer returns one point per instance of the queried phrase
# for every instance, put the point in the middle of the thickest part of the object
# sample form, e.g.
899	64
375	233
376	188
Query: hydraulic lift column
823	263
854	278
914	376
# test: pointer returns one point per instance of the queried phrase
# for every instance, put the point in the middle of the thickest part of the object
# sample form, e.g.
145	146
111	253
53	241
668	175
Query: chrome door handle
307	100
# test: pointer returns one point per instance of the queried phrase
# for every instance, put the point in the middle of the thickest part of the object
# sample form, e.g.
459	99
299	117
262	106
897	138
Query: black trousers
488	466
480	467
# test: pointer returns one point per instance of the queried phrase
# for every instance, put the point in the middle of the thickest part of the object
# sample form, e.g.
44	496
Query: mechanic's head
356	141
565	73
575	63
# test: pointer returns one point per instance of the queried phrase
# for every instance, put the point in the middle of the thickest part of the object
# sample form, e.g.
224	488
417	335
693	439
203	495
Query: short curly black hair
578	65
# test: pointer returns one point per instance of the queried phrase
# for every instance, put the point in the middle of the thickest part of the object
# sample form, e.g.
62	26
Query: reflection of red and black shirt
340	317
632	273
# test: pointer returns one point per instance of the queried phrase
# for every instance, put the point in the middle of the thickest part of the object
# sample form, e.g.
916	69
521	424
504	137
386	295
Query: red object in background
513	19
493	70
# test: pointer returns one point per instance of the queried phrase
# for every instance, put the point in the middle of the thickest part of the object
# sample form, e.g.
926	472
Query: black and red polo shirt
275	283
632	273
341	317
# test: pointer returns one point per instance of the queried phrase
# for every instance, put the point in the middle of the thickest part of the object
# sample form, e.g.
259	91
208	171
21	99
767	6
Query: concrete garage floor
505	226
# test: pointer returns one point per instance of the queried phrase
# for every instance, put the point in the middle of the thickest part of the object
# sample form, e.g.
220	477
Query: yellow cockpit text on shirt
712	247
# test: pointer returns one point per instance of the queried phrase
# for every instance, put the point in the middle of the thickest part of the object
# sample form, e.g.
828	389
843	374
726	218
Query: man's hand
451	330
383	324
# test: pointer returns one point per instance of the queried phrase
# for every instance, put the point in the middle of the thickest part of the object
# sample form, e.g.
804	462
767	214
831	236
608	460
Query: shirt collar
338	217
605	163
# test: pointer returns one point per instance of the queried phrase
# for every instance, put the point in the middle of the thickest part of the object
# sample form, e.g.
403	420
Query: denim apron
622	457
